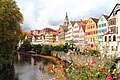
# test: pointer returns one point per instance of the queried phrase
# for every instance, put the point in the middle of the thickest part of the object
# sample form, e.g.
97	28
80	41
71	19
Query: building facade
69	32
112	37
92	33
79	33
102	28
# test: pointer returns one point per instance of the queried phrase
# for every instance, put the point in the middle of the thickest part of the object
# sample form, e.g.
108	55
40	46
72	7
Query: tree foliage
37	48
26	46
10	30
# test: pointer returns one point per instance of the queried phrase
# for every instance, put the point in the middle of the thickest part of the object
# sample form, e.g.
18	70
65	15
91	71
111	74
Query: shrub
46	50
58	48
37	48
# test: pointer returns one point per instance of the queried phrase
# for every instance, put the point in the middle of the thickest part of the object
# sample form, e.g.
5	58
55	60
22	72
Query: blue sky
39	14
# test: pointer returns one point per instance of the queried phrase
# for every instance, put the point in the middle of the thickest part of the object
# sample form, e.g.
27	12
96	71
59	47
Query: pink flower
71	52
118	71
103	46
53	79
109	78
102	68
41	77
90	66
93	62
86	64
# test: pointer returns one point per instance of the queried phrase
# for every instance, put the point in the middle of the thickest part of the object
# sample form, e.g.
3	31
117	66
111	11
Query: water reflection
28	69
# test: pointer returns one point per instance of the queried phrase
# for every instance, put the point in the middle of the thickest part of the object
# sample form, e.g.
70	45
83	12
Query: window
116	30
93	39
100	37
114	38
91	45
92	26
104	24
112	48
99	25
105	38
116	48
109	38
103	30
101	19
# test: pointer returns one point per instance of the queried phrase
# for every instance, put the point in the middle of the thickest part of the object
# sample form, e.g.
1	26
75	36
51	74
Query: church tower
66	20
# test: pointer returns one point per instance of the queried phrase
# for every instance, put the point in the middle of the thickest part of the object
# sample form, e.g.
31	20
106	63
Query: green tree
37	48
10	30
26	46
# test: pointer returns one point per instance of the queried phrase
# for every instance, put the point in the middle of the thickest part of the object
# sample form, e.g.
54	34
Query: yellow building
92	33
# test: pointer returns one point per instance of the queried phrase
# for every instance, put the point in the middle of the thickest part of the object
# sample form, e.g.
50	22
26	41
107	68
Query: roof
106	17
82	23
65	28
72	22
48	29
113	9
95	20
54	33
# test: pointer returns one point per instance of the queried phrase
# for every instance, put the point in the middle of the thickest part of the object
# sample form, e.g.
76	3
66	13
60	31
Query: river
26	68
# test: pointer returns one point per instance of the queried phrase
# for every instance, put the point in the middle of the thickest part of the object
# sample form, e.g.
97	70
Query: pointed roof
72	22
82	23
66	17
106	17
113	9
65	28
95	19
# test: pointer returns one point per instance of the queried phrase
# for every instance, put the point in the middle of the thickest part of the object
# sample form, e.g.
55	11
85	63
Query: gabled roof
72	22
95	20
82	23
65	28
106	17
54	33
113	9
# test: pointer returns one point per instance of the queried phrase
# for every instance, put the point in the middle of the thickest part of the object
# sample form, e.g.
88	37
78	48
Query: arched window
114	38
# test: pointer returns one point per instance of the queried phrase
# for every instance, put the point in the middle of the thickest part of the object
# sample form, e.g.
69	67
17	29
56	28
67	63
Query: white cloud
39	14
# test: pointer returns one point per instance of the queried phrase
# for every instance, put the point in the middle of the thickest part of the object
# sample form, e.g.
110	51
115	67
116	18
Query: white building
69	33
111	38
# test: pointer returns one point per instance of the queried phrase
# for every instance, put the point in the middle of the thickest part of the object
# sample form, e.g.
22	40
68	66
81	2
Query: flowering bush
97	69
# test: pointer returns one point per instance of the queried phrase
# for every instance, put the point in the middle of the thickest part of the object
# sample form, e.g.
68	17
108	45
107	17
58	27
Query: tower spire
66	21
66	15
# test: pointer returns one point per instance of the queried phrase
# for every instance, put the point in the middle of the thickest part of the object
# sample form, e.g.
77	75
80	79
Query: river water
26	68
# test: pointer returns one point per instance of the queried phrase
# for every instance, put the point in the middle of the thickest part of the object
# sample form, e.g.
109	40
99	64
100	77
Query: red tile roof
54	33
82	23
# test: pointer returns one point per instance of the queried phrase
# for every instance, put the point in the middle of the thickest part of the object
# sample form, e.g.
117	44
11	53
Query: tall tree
10	30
